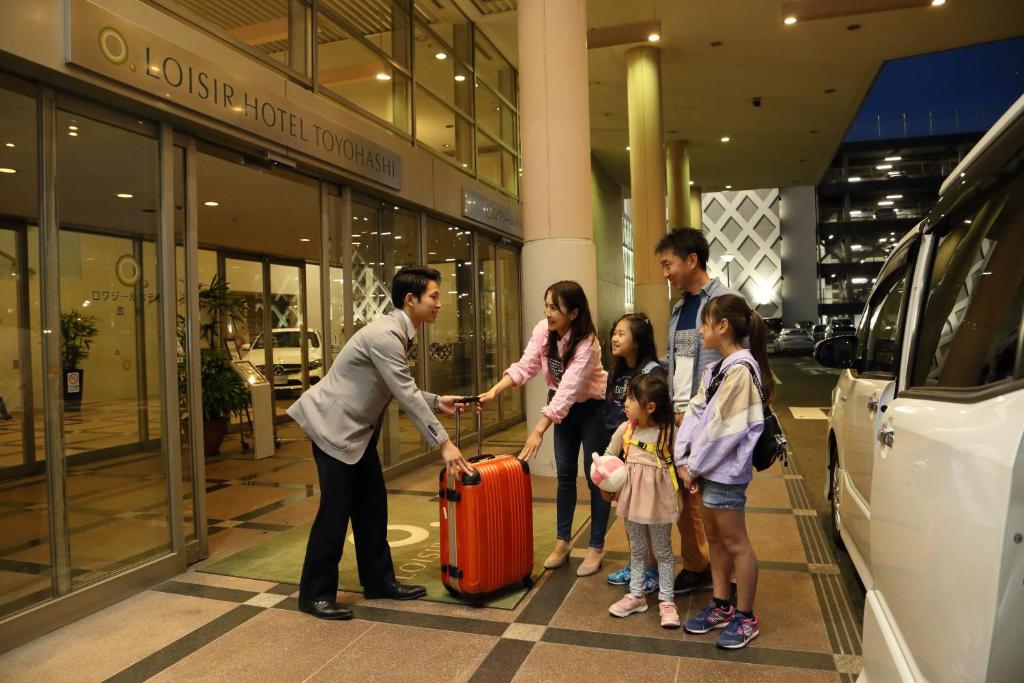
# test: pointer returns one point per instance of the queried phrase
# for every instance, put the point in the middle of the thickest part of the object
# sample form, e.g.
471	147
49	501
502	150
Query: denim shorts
723	496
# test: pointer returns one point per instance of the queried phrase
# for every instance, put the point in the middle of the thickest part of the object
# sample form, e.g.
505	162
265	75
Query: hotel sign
489	212
106	44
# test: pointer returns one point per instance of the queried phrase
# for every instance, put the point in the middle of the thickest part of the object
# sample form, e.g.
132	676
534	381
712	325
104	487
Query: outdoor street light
728	258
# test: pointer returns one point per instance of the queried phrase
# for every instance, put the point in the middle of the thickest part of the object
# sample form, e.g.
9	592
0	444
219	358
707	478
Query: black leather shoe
395	591
324	609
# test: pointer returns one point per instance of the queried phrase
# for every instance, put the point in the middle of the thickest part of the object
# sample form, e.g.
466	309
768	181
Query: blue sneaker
651	581
710	618
620	577
738	633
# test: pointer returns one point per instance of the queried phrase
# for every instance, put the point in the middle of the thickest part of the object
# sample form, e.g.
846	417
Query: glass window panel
107	205
383	24
884	330
187	488
448	78
443	130
338	335
24	525
496	164
286	325
452	338
273	27
350	69
491	361
497	117
510	344
493	69
448	22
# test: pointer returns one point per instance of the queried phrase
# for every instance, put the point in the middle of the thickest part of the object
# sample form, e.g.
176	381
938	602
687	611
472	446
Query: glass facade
419	68
95	424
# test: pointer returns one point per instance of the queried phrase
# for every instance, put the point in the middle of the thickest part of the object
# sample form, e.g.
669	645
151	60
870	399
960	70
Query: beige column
677	174
554	107
696	212
647	183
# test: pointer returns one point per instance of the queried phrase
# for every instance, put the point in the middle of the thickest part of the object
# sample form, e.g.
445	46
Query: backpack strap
650	366
718	376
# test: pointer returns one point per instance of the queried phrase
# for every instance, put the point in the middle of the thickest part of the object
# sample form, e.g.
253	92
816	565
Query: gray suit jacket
340	412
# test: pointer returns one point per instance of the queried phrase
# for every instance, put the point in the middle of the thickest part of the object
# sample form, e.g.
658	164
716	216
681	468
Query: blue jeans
584	425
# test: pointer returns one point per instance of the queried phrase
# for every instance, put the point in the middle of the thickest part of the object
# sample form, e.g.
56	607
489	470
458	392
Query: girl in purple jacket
714	452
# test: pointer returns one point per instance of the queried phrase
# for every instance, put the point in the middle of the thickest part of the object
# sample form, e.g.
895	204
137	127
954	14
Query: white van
925	458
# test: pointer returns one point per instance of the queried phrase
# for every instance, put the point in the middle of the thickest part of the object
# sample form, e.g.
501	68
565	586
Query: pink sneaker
669	614
629	604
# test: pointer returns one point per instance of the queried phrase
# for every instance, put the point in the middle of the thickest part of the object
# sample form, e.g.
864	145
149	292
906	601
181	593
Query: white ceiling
707	90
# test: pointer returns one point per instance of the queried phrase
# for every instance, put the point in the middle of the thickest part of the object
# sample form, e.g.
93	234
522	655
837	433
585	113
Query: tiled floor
208	627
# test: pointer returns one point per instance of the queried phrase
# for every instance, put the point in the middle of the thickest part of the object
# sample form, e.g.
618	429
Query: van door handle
872	405
887	436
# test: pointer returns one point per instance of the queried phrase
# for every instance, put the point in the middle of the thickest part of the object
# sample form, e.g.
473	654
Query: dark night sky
987	77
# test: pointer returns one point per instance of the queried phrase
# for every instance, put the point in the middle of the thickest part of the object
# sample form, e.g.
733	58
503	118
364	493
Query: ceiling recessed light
789	21
73	134
885	202
7	170
938	3
211	203
304	239
383	76
894	158
9	144
654	37
894	196
72	127
441	55
728	187
691	182
726	138
460	78
628	148
124	195
854	179
883	167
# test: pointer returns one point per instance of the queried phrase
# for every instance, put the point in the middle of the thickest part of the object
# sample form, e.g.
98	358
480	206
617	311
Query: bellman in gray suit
342	415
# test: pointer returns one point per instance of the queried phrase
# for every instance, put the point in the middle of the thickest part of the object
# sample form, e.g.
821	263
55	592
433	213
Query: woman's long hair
569	296
745	323
642	330
653	388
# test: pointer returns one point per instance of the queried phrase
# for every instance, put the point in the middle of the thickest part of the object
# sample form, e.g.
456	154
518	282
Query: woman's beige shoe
591	563
559	555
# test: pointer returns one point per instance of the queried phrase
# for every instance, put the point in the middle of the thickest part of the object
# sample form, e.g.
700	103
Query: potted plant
77	331
224	393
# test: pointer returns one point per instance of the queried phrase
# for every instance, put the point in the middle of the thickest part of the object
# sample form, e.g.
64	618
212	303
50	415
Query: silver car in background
794	340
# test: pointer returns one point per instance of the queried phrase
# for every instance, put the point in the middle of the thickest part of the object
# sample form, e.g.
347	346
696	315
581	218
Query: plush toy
608	472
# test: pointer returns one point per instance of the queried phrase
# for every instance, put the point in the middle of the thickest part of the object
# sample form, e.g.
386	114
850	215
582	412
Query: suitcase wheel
528	582
452	592
476	601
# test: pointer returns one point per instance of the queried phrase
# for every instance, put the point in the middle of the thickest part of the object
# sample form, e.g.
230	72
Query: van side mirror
837	352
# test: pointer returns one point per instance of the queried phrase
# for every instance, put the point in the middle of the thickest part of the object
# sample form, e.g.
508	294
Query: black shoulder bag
772	443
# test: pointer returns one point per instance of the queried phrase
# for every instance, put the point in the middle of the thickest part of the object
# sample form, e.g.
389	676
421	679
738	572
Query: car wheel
833	496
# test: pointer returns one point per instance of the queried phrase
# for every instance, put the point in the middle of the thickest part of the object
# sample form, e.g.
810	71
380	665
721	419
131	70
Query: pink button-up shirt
582	380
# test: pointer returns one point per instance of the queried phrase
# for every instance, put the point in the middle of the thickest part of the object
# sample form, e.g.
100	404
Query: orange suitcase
486	524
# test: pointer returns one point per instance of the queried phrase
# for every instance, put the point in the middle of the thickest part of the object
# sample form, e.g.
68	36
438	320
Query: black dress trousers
348	491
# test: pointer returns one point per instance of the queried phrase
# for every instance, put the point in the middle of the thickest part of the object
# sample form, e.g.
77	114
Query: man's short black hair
412	280
683	242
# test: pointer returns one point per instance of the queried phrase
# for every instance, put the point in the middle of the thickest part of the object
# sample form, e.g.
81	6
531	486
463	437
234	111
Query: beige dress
650	494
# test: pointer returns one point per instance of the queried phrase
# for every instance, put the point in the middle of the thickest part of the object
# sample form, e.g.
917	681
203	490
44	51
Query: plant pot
213	435
74	383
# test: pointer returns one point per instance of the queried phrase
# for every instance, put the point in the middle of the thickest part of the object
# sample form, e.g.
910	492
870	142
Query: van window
972	314
884	331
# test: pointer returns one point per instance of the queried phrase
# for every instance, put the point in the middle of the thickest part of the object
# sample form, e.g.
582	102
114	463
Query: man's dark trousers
348	491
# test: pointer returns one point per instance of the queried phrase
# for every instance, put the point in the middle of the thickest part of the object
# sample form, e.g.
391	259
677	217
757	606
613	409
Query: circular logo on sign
128	270
415	535
113	45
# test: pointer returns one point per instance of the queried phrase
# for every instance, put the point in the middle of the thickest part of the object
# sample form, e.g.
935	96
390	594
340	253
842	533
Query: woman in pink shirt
565	346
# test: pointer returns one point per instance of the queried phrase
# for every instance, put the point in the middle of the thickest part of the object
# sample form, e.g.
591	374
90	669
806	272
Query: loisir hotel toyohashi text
201	85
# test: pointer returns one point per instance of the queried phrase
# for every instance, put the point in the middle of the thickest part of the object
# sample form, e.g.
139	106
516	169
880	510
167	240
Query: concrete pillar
696	211
798	213
647	183
677	174
554	107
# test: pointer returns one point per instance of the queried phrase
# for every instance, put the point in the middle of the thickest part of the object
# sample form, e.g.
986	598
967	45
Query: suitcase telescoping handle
469	401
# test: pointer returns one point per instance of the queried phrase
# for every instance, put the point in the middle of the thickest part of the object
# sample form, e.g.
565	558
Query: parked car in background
794	340
837	328
287	354
818	332
926	432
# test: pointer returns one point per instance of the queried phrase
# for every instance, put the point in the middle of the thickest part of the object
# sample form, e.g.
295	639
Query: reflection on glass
443	130
117	473
452	337
273	27
187	488
336	334
287	325
491	363
510	328
450	25
349	68
245	279
25	569
494	70
446	76
494	115
496	164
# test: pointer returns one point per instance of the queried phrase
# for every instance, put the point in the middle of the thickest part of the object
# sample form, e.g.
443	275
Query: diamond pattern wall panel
746	224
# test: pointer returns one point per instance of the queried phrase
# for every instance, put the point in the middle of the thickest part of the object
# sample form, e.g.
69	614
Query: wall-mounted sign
104	43
489	212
